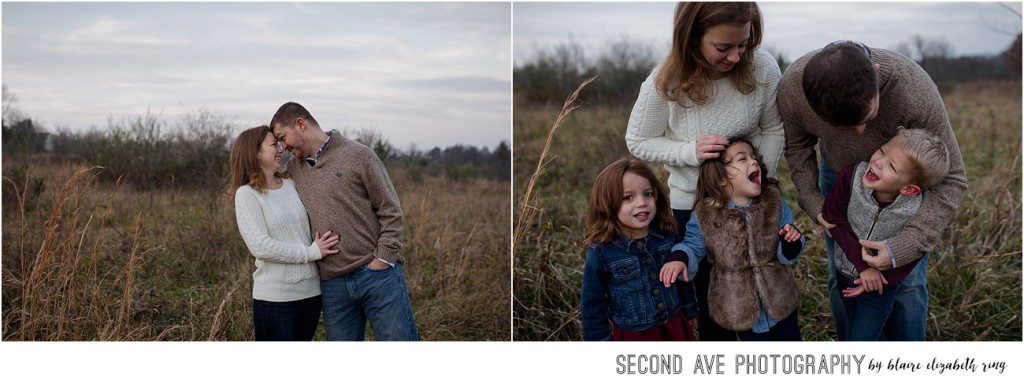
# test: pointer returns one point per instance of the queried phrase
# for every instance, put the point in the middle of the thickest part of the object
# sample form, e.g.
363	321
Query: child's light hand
789	233
852	292
672	269
872	280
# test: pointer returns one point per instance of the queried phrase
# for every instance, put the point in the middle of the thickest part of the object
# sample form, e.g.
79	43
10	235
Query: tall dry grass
974	276
528	213
85	259
59	291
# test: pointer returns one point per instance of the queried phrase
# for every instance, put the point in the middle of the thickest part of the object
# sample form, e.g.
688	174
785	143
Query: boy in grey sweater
873	201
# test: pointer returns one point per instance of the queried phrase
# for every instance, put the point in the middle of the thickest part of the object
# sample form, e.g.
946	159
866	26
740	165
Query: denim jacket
621	283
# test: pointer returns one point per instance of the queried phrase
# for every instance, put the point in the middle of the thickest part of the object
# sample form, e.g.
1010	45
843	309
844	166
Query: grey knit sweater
908	98
869	221
349	192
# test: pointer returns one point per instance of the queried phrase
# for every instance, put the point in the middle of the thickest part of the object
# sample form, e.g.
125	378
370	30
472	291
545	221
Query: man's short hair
927	155
840	83
286	115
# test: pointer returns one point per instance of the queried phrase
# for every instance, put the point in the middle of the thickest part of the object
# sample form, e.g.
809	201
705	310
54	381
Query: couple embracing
326	231
710	257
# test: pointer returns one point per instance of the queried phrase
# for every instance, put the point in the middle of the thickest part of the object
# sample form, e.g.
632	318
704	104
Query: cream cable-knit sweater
275	227
665	132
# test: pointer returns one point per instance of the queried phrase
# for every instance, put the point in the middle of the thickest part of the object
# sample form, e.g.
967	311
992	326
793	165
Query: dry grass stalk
42	300
93	273
58	297
118	329
190	283
216	327
20	194
527	213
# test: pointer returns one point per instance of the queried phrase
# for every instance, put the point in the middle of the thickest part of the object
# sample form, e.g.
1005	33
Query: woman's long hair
603	224
713	177
685	71
245	162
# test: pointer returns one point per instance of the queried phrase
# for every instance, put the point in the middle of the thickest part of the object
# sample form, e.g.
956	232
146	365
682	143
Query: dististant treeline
622	64
192	153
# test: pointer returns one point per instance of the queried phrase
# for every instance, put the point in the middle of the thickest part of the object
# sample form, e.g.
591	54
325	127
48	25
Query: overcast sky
434	74
793	28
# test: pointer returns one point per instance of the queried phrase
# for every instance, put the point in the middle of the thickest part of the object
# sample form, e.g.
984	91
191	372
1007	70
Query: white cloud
359	65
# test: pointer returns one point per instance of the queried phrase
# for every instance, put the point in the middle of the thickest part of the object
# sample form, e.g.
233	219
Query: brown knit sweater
908	98
349	192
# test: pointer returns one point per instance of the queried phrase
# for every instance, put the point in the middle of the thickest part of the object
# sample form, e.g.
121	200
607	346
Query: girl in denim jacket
630	233
746	231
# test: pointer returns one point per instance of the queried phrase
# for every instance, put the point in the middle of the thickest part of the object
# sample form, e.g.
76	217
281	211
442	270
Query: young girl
751	242
630	233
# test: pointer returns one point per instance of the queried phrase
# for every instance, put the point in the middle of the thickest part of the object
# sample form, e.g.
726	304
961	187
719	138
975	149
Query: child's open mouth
642	216
871	176
755	176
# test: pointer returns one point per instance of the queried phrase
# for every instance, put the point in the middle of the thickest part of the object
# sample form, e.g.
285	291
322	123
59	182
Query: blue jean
910	309
379	296
867	313
786	330
285	321
827	177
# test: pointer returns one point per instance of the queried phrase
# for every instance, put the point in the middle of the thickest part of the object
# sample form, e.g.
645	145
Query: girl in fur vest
630	233
746	231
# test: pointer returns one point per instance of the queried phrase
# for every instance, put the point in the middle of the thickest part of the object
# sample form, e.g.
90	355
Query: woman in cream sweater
713	85
273	223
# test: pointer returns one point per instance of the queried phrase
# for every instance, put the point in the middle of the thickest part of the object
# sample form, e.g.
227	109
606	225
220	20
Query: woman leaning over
714	84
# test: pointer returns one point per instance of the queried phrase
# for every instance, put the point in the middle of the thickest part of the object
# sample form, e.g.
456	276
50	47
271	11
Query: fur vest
741	246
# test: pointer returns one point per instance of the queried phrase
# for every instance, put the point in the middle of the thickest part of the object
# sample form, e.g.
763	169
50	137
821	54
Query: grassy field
91	260
974	279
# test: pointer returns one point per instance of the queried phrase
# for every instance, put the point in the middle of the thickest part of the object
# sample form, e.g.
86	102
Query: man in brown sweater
848	99
346	190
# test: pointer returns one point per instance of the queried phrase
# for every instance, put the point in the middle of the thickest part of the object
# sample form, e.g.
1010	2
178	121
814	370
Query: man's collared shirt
311	160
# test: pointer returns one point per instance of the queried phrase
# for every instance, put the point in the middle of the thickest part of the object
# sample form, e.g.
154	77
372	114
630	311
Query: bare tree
779	56
1012	55
623	66
11	115
988	24
930	49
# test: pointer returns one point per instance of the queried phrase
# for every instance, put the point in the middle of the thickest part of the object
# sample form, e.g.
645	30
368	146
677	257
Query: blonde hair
927	155
685	71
